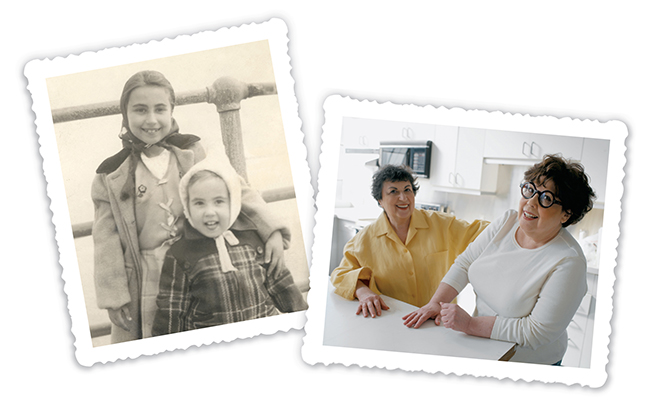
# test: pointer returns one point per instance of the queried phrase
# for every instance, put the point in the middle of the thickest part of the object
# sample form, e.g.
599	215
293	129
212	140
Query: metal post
226	94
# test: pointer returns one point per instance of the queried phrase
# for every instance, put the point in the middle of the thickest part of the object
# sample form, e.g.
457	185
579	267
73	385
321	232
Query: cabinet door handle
523	148
531	149
451	174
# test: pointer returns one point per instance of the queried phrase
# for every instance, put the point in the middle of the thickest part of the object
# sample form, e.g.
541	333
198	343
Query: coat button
260	250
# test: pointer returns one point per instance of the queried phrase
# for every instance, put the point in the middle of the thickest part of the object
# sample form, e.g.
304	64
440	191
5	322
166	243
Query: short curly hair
571	184
392	173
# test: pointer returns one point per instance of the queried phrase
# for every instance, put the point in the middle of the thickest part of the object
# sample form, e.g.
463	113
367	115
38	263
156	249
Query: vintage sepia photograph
180	190
465	241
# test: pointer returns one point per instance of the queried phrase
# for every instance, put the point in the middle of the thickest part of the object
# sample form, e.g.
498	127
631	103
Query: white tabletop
387	332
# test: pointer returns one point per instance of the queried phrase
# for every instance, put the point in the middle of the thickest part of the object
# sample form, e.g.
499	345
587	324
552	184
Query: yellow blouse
408	272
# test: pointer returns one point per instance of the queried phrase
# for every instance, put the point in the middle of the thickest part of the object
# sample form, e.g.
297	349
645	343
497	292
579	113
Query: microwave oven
416	154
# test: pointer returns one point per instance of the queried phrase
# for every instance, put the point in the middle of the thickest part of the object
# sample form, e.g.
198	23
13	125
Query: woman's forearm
362	288
454	317
481	326
444	293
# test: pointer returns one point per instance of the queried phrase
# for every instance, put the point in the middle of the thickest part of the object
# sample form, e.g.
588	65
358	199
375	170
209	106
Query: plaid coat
195	293
117	267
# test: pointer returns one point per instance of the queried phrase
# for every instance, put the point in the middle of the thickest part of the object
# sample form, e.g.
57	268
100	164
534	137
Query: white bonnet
220	165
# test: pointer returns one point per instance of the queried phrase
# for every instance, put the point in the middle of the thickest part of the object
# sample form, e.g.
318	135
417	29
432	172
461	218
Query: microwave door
395	156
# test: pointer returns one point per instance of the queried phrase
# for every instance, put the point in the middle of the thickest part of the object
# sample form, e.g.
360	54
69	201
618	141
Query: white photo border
337	108
38	71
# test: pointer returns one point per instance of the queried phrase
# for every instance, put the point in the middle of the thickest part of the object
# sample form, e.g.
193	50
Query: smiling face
538	225
209	205
398	200
149	113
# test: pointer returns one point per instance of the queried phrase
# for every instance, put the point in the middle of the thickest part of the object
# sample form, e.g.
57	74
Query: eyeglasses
546	199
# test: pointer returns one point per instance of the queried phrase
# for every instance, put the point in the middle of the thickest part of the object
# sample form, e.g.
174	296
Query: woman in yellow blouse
405	253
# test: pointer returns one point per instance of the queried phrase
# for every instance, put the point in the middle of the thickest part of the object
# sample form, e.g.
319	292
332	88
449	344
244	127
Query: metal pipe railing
225	93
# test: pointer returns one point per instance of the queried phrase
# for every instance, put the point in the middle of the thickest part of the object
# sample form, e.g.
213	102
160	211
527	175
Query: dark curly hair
571	184
392	173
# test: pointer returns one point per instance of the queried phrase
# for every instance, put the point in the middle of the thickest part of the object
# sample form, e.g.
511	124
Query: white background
582	59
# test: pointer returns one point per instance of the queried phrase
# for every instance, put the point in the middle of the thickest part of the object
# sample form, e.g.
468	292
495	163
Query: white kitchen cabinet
457	161
581	327
595	157
443	156
358	133
529	147
343	231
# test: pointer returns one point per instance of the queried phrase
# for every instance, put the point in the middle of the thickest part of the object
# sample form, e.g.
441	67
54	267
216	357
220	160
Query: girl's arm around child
284	292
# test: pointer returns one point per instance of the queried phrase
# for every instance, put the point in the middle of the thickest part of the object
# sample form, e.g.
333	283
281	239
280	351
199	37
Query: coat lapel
126	208
115	182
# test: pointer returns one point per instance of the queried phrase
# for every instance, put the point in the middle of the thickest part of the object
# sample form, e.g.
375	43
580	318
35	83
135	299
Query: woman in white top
528	272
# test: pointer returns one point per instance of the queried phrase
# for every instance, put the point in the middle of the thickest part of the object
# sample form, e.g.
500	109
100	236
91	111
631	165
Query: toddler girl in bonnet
214	274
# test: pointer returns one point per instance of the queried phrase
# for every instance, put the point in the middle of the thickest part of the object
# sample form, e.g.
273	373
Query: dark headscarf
135	147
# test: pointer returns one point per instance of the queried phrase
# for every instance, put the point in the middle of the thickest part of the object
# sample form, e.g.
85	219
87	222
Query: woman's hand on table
418	317
369	302
444	294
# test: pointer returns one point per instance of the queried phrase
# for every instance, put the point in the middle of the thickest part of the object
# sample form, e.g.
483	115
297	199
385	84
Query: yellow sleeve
350	270
462	233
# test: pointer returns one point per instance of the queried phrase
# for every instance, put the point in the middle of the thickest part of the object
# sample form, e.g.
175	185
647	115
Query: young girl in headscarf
214	274
138	212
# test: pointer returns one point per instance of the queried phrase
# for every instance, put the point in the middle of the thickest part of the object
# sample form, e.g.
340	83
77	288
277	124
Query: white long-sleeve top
534	293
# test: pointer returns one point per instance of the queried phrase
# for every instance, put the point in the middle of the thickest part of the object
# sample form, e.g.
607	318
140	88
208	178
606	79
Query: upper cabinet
595	158
457	161
508	147
514	147
359	134
467	160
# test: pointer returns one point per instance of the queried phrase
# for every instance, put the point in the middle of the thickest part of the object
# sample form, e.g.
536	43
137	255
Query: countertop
387	332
